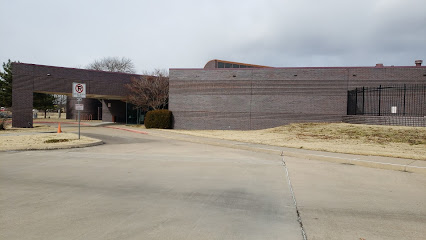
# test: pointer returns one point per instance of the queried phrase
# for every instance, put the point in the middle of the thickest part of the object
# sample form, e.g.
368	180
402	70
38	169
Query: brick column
22	102
115	113
106	113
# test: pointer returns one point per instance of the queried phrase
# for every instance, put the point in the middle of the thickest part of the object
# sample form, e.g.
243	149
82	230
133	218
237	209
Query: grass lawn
39	137
389	141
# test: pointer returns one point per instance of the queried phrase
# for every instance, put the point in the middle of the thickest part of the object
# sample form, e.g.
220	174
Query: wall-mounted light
48	74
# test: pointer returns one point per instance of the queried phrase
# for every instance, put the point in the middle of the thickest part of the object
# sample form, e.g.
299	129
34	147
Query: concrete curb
98	142
73	123
319	156
359	162
126	129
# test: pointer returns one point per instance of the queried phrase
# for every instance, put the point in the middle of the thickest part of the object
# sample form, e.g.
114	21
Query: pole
363	100
356	101
380	96
78	101
405	91
137	116
78	124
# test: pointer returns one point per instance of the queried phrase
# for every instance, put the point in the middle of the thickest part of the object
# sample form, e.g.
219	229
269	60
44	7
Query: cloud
163	34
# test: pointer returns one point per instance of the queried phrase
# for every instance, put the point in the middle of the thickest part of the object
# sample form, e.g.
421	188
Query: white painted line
366	161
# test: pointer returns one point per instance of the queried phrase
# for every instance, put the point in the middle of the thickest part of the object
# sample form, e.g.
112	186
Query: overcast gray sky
188	33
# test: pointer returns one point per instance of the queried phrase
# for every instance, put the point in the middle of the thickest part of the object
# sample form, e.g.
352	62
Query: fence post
356	101
380	96
363	100
405	90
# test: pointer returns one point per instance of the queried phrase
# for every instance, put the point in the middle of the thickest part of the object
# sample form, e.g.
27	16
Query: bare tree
113	64
150	91
61	102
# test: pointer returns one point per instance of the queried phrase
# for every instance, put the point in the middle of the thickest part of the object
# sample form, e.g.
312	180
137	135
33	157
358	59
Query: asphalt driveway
143	187
139	186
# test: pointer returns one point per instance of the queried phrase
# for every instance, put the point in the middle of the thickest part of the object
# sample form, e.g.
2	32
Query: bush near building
159	119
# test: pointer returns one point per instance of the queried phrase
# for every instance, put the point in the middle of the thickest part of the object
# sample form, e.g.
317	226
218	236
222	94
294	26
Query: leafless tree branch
150	91
113	64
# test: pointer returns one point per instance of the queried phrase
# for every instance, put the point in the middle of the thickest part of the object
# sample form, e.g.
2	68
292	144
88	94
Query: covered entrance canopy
30	78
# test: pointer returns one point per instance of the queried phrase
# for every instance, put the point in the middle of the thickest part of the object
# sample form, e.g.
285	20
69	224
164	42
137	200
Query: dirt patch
57	140
389	141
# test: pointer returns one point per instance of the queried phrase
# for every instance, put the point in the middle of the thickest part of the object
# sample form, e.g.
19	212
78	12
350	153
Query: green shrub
159	119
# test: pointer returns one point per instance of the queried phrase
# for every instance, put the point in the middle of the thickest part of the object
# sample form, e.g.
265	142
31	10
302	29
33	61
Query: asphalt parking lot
139	186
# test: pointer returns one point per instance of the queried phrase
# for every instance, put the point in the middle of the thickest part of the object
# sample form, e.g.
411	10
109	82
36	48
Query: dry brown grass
39	137
389	141
51	115
36	128
38	141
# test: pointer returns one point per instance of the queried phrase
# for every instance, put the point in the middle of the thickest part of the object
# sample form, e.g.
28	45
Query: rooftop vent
418	63
379	65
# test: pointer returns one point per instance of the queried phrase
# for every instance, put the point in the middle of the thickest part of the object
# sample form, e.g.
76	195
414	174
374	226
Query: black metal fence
399	100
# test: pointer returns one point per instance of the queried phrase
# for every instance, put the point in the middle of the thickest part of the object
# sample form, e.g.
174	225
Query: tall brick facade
29	78
255	98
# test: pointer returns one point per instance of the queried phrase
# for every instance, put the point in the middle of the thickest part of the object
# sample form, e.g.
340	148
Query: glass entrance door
134	115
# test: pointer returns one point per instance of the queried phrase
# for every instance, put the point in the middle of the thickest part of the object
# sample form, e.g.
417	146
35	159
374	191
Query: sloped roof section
217	64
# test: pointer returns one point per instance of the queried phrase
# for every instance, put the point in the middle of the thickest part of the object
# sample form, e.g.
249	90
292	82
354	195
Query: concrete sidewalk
82	123
399	164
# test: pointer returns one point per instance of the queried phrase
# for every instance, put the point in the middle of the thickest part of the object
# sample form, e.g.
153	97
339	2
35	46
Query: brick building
229	95
108	87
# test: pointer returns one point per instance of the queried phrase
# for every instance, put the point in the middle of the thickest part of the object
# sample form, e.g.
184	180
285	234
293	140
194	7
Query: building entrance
134	115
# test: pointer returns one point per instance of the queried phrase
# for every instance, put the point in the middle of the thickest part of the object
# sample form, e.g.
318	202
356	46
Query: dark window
228	65
243	66
220	65
235	66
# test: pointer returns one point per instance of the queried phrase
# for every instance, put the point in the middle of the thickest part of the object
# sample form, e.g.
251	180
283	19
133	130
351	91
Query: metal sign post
79	107
78	102
79	92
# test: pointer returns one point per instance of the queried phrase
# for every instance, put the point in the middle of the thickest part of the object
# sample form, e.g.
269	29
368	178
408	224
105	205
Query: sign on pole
79	107
79	90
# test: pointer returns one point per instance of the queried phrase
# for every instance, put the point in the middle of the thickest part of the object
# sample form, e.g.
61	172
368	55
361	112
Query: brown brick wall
29	78
221	98
262	98
115	113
